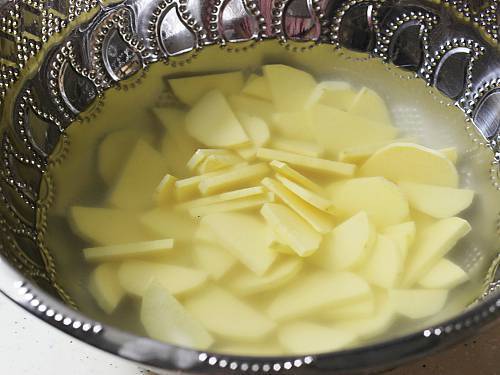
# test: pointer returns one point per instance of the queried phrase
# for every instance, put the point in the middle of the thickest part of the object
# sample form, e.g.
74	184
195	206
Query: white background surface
28	346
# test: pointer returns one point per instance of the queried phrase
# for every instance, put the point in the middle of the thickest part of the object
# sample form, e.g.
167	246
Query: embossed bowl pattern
76	49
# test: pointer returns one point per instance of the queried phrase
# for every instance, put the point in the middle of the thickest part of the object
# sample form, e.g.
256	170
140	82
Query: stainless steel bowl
74	50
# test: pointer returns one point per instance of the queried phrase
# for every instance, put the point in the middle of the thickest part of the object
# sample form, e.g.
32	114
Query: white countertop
28	346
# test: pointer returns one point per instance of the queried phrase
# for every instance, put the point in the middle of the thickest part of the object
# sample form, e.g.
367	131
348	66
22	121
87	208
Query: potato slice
256	128
252	106
290	87
316	291
418	303
286	171
382	200
228	316
255	254
133	249
291	228
336	94
444	275
359	154
233	178
233	205
128	193
213	260
258	87
356	310
432	244
165	190
205	235
385	264
280	273
305	148
319	220
437	201
410	162
314	164
223	197
307	195
293	125
369	104
105	287
348	245
190	89
166	223
216	162
450	153
200	155
307	338
336	130
403	235
212	122
247	153
165	319
106	226
136	276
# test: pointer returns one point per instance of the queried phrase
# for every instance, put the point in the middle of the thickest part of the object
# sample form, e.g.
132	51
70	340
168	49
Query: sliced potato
444	275
200	154
437	201
385	264
280	273
403	235
190	89
432	244
252	106
165	319
107	226
336	94
133	249
295	176
410	162
382	200
166	223
450	153
307	195
290	88
223	197
305	337
229	316
212	122
369	104
165	189
255	254
136	276
305	148
241	204
205	235
348	245
128	193
105	287
418	303
258	87
213	260
291	228
256	129
359	154
293	125
316	291
356	310
216	162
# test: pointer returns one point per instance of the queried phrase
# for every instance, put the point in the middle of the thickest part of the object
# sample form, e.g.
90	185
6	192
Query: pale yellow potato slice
307	195
295	176
315	291
165	190
105	287
308	337
255	127
444	275
337	94
313	164
136	276
213	259
223	197
384	266
382	200
431	245
258	87
369	104
280	273
437	201
319	220
306	148
348	245
255	254
128	250
403	235
418	303
205	235
233	178
293	125
290	88
106	226
292	229
450	153
166	223
359	154
213	123
356	310
252	106
421	220
200	155
190	89
228	316
216	162
129	193
165	319
241	204
336	130
410	162
247	153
